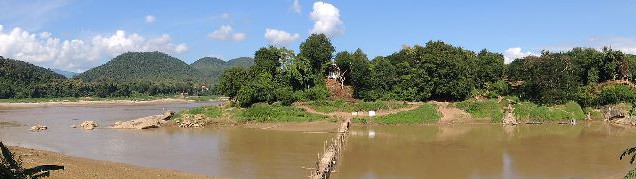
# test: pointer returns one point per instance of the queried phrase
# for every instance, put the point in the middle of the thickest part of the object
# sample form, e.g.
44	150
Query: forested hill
17	78
213	67
22	73
143	66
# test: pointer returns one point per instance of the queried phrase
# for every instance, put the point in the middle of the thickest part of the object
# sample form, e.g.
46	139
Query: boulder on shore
618	114
189	121
630	121
154	121
611	113
38	128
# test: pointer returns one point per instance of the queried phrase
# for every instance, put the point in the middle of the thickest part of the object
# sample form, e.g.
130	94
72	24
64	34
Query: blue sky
77	35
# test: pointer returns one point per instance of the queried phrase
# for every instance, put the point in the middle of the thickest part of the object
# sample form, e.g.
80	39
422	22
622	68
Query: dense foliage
20	79
279	75
435	71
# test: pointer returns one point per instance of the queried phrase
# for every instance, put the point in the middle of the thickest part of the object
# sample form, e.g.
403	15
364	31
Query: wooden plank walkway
327	162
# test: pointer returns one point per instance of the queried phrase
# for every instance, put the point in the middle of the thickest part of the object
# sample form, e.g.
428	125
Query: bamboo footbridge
326	163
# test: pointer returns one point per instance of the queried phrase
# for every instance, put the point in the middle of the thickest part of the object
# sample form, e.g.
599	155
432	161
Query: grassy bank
427	113
483	109
339	105
129	98
276	113
256	113
528	111
525	111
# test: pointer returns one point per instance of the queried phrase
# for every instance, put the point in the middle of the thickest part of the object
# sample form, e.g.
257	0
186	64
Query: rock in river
144	122
88	125
38	128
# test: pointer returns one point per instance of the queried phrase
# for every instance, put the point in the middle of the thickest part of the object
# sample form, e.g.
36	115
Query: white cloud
226	32
296	7
150	19
279	37
514	53
326	19
78	54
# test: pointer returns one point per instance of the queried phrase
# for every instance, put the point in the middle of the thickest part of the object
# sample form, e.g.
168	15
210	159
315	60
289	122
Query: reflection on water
487	151
234	152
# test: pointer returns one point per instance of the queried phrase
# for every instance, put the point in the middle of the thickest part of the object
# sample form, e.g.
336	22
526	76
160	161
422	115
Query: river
228	151
460	151
487	151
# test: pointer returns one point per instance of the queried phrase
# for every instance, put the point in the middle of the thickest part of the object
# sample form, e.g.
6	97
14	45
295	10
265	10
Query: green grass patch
276	113
207	111
488	109
339	105
595	114
531	112
362	120
427	113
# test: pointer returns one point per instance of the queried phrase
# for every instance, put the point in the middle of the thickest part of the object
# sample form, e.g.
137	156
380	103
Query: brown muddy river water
487	151
462	151
232	152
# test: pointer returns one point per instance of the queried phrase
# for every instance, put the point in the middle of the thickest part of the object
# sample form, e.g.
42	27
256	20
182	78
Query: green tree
489	68
260	89
300	74
552	79
319	51
268	59
450	70
231	81
360	74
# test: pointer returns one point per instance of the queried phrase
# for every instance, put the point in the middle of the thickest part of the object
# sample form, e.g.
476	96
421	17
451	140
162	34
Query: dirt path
75	167
451	114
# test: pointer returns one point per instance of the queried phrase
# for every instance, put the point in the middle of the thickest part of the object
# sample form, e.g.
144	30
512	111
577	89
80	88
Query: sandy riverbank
98	102
76	167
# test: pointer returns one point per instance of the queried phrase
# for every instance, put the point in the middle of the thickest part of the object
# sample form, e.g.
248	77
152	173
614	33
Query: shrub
616	94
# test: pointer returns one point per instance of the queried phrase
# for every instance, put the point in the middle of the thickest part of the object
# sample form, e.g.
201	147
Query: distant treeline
435	71
77	88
